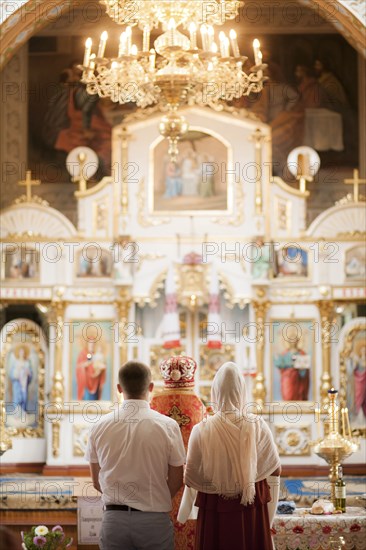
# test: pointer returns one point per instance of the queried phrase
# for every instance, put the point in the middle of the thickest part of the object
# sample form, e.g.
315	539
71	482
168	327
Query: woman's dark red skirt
224	524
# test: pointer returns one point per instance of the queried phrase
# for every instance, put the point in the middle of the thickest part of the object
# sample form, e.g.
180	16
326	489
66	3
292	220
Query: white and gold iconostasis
234	238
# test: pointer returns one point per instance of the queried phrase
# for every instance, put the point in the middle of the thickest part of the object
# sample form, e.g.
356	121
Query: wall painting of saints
91	360
20	264
199	181
94	262
355	264
22	369
292	359
292	261
353	375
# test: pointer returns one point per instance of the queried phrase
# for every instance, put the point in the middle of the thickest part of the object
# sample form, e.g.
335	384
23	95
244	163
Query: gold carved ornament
259	387
327	319
80	438
293	441
123	306
192	285
58	390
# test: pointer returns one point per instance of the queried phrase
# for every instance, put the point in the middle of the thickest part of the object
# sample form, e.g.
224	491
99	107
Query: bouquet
42	537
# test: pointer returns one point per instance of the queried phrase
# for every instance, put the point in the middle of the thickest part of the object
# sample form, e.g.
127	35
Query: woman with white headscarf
233	463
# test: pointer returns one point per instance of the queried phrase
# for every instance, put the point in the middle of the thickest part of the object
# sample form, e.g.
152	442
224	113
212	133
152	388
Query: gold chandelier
196	68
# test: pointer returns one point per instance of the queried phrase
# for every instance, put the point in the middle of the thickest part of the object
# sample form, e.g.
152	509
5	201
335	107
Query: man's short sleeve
177	451
90	453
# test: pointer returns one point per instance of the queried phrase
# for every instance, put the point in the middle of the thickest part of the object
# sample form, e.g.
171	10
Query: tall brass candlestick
334	448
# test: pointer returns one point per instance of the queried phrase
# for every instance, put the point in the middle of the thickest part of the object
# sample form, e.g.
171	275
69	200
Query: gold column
123	307
259	389
56	438
258	138
125	137
327	318
58	390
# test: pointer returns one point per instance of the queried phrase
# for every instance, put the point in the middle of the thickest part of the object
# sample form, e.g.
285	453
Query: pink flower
355	527
22	535
298	529
57	528
39	541
70	543
327	529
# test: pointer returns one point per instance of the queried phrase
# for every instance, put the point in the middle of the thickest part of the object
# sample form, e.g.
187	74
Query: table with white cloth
302	530
323	130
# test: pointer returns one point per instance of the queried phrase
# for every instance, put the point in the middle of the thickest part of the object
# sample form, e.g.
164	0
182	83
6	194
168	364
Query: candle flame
171	24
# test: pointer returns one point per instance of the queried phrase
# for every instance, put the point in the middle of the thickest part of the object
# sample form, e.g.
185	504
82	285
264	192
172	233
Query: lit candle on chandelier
222	39
214	48
128	40
102	44
122	45
133	49
343	422
171	29
92	61
146	39
152	59
210	36
348	426
256	49
234	43
227	47
193	35
88	47
260	57
204	38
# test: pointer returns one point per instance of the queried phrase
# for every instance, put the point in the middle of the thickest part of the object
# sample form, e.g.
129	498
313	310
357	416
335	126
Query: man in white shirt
136	458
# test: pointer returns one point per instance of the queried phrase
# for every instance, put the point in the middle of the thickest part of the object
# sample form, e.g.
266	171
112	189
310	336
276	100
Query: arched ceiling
18	25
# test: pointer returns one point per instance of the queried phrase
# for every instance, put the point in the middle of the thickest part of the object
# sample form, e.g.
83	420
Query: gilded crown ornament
178	371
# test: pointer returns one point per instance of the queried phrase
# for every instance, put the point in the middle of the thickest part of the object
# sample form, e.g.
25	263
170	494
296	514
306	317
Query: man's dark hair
134	378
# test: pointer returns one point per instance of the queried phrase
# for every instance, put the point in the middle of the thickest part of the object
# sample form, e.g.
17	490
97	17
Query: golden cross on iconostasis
356	181
28	182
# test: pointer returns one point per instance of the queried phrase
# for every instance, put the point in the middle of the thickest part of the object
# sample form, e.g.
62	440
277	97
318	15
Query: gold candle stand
334	448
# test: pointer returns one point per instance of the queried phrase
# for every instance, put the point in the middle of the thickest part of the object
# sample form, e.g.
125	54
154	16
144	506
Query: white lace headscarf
229	438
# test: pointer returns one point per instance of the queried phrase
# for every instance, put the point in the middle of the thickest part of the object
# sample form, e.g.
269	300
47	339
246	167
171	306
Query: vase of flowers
42	537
